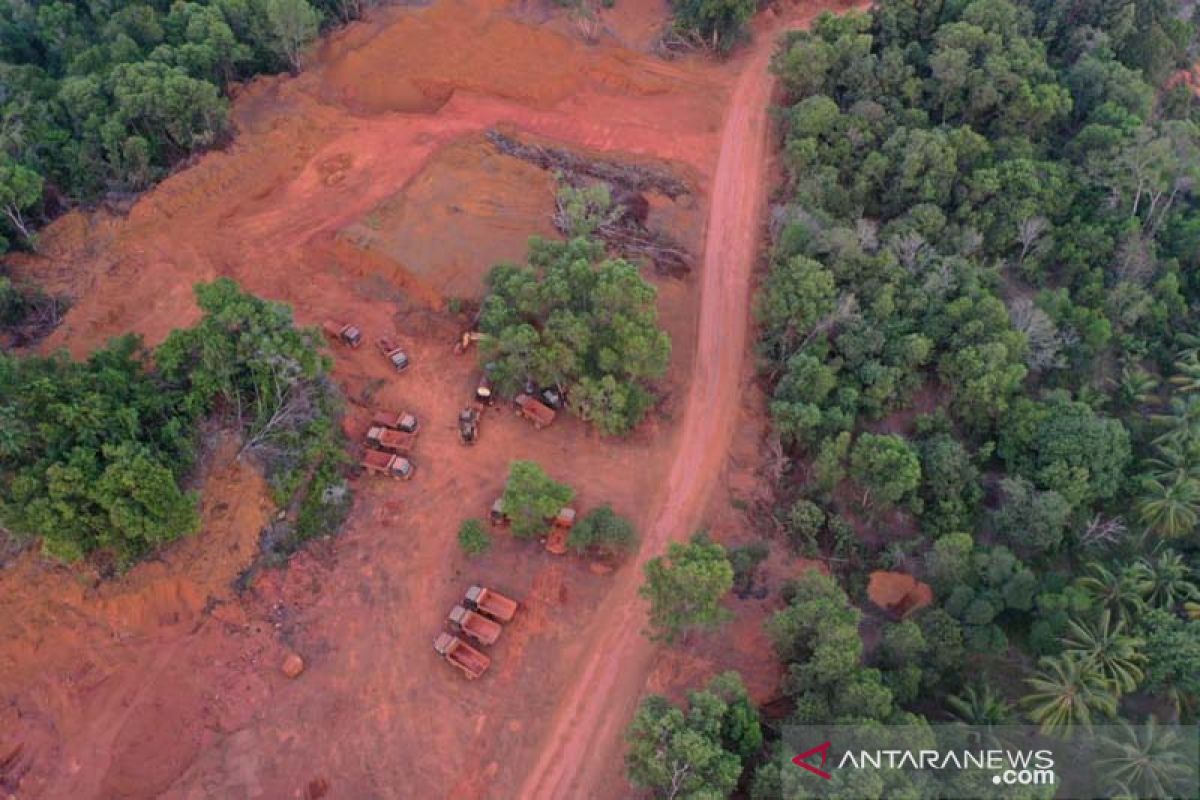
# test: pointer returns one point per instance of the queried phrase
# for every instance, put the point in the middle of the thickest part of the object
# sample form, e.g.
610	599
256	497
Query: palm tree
1165	580
1187	372
1147	761
1067	691
1135	387
1182	421
1115	591
1171	509
1105	645
980	705
983	710
1174	461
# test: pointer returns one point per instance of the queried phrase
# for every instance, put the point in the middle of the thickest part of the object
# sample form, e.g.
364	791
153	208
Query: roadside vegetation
988	214
102	99
580	322
94	455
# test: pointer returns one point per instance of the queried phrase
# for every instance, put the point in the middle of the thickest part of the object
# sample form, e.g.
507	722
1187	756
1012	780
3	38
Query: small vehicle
393	353
551	397
477	626
494	604
468	425
497	515
560	529
348	335
472	662
483	391
398	420
534	410
389	464
394	441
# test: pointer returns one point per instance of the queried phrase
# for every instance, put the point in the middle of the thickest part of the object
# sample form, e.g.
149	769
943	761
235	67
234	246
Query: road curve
583	741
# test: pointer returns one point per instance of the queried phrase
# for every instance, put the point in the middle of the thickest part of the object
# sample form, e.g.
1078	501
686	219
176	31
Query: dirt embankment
362	190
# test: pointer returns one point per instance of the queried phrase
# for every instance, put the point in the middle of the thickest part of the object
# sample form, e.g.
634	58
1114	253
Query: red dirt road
584	743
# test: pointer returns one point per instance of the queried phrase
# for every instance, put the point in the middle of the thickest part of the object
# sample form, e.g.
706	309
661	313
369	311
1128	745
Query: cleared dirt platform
166	682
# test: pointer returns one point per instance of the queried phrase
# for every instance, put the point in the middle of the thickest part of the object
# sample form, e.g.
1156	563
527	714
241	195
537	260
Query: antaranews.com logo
961	762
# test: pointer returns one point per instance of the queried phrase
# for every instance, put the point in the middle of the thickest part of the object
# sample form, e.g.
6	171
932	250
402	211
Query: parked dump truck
468	425
494	604
393	353
472	662
389	464
534	410
477	626
397	420
560	529
394	441
346	334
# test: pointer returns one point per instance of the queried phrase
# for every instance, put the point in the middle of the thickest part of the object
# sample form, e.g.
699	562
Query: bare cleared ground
345	193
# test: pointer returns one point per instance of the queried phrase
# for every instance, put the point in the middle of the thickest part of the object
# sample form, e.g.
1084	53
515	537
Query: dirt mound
898	593
417	64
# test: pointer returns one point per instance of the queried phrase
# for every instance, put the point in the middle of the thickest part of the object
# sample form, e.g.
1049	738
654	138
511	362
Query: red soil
166	682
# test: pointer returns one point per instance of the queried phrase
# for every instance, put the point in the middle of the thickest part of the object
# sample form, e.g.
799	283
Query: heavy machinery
477	626
393	353
472	662
534	410
465	341
468	425
389	464
494	604
348	335
560	529
398	420
393	441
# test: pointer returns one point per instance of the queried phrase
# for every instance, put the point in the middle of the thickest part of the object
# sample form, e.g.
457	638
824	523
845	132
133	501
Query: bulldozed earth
368	189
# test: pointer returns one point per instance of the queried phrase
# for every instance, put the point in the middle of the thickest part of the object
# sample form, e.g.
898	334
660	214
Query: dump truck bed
477	626
472	662
495	605
389	464
398	420
391	440
534	410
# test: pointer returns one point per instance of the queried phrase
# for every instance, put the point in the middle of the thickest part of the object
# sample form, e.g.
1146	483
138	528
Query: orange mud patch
164	683
898	593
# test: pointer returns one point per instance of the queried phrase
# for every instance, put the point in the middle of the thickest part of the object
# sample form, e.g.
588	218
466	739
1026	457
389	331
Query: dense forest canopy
93	454
989	213
105	96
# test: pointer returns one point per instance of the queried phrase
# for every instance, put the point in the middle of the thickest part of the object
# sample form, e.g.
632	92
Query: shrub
473	537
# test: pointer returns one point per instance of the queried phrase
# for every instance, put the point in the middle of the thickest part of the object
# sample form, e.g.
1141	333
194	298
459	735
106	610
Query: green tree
886	466
1146	761
685	587
1067	692
604	530
695	752
1104	644
473	537
531	498
1031	519
572	319
717	22
294	24
20	190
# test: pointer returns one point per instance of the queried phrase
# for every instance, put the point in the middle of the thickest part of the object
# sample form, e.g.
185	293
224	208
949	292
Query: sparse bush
603	530
473	537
